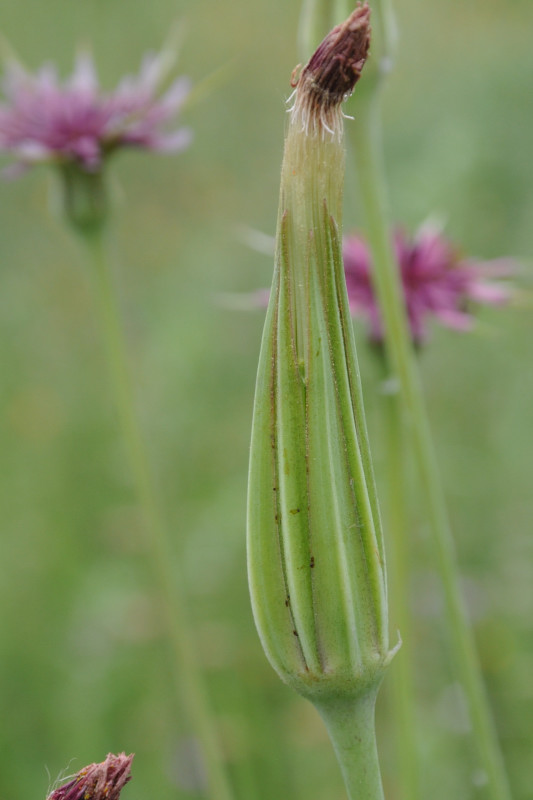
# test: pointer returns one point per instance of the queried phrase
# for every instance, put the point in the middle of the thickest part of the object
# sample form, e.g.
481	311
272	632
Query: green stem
315	22
402	679
366	137
186	673
351	727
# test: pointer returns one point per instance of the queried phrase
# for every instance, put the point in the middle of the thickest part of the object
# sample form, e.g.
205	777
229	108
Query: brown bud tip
335	67
103	781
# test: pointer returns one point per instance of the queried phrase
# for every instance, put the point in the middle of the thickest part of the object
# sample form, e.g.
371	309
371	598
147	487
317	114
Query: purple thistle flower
436	281
103	781
75	122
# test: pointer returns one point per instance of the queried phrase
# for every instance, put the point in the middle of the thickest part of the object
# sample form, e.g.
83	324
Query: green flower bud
315	550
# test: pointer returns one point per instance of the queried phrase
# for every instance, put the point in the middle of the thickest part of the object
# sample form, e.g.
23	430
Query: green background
83	665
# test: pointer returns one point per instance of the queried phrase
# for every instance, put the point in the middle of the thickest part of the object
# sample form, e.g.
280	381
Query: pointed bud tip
336	65
334	68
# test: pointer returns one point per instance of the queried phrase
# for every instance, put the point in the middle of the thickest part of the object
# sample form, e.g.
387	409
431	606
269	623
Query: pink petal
455	319
172	142
84	78
175	96
489	293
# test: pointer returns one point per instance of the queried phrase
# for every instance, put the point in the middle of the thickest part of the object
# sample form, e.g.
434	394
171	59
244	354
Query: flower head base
44	120
436	280
103	781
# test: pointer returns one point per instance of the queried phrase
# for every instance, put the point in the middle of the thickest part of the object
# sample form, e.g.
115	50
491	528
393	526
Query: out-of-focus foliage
83	669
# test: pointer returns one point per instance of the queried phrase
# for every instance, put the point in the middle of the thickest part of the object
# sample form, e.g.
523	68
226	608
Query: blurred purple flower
103	781
436	281
44	120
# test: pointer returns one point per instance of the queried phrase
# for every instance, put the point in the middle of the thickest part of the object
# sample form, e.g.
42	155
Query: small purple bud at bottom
103	781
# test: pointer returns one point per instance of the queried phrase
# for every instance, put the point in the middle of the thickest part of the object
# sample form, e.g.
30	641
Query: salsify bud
315	551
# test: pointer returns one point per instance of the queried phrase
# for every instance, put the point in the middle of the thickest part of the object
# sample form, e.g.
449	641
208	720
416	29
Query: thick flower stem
351	727
366	138
189	685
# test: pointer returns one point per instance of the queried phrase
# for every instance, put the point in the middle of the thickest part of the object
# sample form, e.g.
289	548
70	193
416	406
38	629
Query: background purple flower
436	282
43	119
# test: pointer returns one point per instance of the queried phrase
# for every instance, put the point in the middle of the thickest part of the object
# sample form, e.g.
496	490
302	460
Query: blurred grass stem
402	686
185	671
366	138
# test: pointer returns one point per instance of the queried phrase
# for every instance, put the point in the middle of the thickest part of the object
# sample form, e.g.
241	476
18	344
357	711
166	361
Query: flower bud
102	781
315	551
318	16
